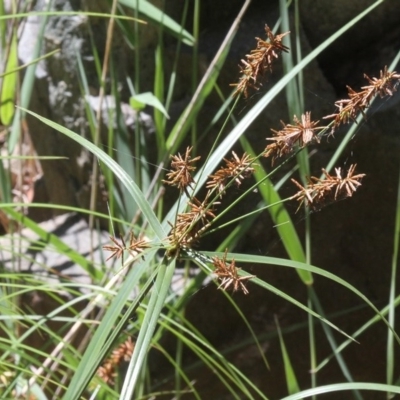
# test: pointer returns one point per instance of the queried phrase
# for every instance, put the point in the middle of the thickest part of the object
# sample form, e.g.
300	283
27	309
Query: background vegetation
131	331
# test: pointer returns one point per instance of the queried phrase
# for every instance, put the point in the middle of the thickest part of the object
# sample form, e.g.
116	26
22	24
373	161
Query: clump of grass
180	236
200	215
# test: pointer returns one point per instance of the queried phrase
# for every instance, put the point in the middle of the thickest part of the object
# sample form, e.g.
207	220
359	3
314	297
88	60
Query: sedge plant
128	311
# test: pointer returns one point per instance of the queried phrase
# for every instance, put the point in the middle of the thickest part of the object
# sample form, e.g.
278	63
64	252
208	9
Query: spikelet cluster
259	62
189	226
228	274
134	247
318	192
109	369
300	134
358	102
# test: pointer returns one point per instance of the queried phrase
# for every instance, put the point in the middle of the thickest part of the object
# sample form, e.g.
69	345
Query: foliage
128	312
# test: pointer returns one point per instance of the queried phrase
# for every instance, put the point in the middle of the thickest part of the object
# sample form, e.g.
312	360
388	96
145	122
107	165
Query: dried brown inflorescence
259	62
319	192
117	250
134	247
358	102
181	171
302	133
227	274
108	371
190	225
236	168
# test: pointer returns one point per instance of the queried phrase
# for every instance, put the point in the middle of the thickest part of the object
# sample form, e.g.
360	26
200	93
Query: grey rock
28	253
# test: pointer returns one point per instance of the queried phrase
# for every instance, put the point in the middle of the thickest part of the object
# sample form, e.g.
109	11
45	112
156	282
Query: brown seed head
227	274
236	168
303	132
358	102
333	187
259	62
180	174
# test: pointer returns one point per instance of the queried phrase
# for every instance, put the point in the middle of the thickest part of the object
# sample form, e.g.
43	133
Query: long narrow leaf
154	14
156	303
280	217
9	86
249	258
102	338
125	179
343	387
205	87
27	84
50	239
390	351
291	380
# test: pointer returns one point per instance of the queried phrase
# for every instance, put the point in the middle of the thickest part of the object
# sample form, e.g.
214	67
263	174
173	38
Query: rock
43	259
366	48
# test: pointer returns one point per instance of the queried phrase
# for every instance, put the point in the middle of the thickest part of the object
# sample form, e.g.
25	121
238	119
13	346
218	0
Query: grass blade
125	179
291	381
342	387
106	331
152	13
156	303
9	86
248	258
280	217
